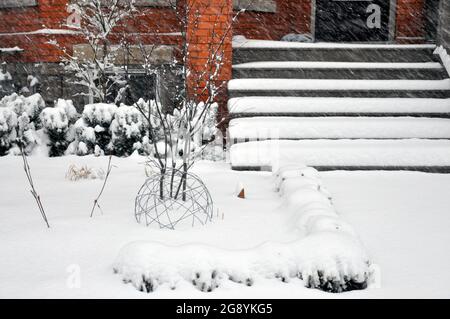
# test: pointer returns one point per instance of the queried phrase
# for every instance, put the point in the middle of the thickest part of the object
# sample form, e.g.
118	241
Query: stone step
259	50
340	88
415	154
298	128
340	70
318	106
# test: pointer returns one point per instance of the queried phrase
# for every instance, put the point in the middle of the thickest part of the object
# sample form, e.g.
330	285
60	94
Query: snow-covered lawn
401	217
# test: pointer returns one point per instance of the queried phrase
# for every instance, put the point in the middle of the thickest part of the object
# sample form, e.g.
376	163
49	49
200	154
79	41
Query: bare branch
36	196
96	204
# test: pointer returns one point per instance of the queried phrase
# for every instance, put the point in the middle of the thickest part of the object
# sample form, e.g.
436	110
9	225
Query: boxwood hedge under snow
327	254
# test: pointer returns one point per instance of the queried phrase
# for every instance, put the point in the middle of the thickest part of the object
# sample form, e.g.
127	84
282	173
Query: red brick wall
209	36
410	20
16	25
292	16
17	21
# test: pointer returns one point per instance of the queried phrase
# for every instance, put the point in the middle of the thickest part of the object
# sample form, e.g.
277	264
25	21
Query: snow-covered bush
75	173
92	134
127	130
326	254
27	110
152	125
8	123
57	122
200	127
84	139
31	105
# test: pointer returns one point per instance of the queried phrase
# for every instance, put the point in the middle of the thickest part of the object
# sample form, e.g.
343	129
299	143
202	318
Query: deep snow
401	217
341	152
335	65
333	85
299	105
327	253
340	127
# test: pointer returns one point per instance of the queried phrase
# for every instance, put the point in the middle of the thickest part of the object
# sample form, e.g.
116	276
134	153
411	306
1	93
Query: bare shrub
75	173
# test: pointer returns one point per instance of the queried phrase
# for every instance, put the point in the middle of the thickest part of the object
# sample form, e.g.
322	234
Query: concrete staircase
339	106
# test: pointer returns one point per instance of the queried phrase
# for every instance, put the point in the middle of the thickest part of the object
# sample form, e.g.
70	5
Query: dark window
431	19
136	85
140	86
133	87
352	20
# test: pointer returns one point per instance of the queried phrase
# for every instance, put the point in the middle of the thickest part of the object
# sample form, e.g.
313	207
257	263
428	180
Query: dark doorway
352	21
431	19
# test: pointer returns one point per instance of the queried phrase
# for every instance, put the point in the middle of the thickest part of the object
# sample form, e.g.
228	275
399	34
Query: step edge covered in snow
268	84
338	128
338	65
268	44
341	153
280	104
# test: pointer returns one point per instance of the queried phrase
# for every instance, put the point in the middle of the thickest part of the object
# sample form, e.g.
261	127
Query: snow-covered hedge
58	125
92	134
127	130
101	129
108	129
8	123
327	253
27	123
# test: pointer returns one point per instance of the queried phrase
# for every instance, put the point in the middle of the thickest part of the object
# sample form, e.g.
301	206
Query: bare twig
96	204
36	196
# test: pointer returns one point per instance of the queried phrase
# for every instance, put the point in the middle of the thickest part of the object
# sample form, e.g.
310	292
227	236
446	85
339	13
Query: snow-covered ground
401	217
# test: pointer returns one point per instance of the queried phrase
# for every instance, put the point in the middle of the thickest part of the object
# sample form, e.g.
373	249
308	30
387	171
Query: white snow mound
327	253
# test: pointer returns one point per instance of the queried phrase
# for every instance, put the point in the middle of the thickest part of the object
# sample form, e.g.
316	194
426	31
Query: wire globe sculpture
170	200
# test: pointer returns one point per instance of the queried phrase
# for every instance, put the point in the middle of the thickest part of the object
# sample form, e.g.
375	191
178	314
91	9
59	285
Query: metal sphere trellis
169	200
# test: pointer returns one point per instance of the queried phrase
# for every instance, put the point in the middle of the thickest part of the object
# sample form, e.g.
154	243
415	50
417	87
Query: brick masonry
18	27
28	28
410	24
209	34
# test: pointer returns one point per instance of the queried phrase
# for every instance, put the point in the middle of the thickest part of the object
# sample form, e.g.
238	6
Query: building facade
29	30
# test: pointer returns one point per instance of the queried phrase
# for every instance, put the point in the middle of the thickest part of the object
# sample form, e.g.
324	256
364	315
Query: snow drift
327	253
